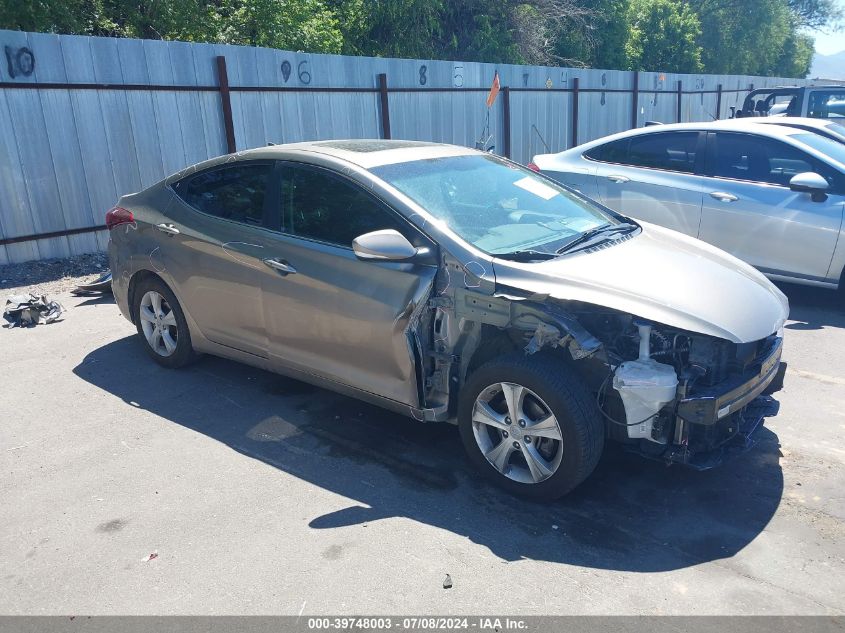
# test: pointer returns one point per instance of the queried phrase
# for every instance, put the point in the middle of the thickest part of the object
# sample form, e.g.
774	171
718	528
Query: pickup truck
817	102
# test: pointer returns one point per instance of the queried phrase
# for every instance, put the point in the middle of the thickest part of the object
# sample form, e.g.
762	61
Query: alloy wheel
158	322
517	432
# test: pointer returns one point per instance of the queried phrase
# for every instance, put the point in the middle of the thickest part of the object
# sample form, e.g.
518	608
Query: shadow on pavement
631	515
814	308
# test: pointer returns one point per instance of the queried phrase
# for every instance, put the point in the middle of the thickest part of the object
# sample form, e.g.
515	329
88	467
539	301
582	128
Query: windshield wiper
525	256
603	229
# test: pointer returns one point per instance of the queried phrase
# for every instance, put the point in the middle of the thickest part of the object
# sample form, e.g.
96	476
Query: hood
662	276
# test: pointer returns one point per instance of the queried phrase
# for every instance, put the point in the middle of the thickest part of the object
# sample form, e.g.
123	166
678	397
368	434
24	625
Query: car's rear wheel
161	324
530	425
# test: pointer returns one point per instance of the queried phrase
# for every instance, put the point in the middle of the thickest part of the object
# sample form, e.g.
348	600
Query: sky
829	43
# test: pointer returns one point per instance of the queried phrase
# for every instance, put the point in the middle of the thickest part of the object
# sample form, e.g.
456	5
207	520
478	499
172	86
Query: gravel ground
51	276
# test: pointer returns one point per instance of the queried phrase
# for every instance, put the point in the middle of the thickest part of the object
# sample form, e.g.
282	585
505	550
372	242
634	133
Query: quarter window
321	207
235	192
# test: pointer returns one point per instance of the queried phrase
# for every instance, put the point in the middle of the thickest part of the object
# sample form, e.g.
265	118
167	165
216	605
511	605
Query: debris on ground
101	285
30	310
447	583
150	557
52	276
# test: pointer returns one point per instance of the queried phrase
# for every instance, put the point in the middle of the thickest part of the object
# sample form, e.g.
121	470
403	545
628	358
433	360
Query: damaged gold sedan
451	285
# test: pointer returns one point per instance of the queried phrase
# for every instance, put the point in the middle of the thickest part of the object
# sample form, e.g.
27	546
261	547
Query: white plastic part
645	386
645	340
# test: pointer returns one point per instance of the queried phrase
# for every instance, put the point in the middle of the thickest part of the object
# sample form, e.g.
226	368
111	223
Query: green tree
753	38
602	43
302	25
190	20
71	16
663	36
718	36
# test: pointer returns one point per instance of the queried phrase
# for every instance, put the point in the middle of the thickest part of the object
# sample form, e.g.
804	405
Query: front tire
530	425
161	324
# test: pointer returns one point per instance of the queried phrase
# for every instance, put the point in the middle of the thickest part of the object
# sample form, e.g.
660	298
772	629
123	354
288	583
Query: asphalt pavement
220	489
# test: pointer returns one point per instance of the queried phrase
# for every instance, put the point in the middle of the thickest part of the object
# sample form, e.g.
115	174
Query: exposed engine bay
664	392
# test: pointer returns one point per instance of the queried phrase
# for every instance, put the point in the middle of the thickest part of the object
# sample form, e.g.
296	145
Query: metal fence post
385	105
718	102
226	103
506	123
635	98
680	98
574	140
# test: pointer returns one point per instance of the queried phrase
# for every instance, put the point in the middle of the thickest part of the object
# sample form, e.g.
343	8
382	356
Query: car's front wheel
530	424
161	324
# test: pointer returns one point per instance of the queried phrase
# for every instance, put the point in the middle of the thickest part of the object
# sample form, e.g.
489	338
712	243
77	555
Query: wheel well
137	278
492	343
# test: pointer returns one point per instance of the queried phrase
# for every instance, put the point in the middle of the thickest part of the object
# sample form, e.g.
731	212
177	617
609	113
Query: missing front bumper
713	405
728	438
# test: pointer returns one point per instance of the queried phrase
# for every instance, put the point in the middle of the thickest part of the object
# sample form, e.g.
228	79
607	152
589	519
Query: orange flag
494	90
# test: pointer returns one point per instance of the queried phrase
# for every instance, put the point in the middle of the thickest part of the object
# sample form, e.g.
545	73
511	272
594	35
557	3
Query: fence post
718	102
226	103
680	98
636	99
385	105
506	123
574	139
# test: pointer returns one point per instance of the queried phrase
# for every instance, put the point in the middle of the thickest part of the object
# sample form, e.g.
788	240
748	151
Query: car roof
365	153
713	126
788	121
729	125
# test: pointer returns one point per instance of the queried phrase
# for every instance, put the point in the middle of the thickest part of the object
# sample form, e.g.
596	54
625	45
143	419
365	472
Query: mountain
828	66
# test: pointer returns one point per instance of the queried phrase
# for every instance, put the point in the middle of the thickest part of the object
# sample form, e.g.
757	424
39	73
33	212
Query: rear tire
546	395
161	324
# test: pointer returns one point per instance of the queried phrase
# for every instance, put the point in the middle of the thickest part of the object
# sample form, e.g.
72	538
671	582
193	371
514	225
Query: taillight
533	167
117	216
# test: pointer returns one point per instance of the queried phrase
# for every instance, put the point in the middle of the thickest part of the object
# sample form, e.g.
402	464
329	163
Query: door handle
618	179
724	197
280	266
167	228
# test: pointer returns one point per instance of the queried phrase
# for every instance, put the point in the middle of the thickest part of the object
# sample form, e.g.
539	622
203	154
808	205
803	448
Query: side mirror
384	245
810	182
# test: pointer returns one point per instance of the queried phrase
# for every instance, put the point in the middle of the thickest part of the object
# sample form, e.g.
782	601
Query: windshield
499	207
829	147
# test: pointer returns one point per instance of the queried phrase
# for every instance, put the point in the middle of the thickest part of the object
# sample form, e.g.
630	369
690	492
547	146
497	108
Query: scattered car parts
31	310
101	285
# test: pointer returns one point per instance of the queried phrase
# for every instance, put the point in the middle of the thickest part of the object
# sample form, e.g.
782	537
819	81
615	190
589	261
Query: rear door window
233	192
671	151
613	152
